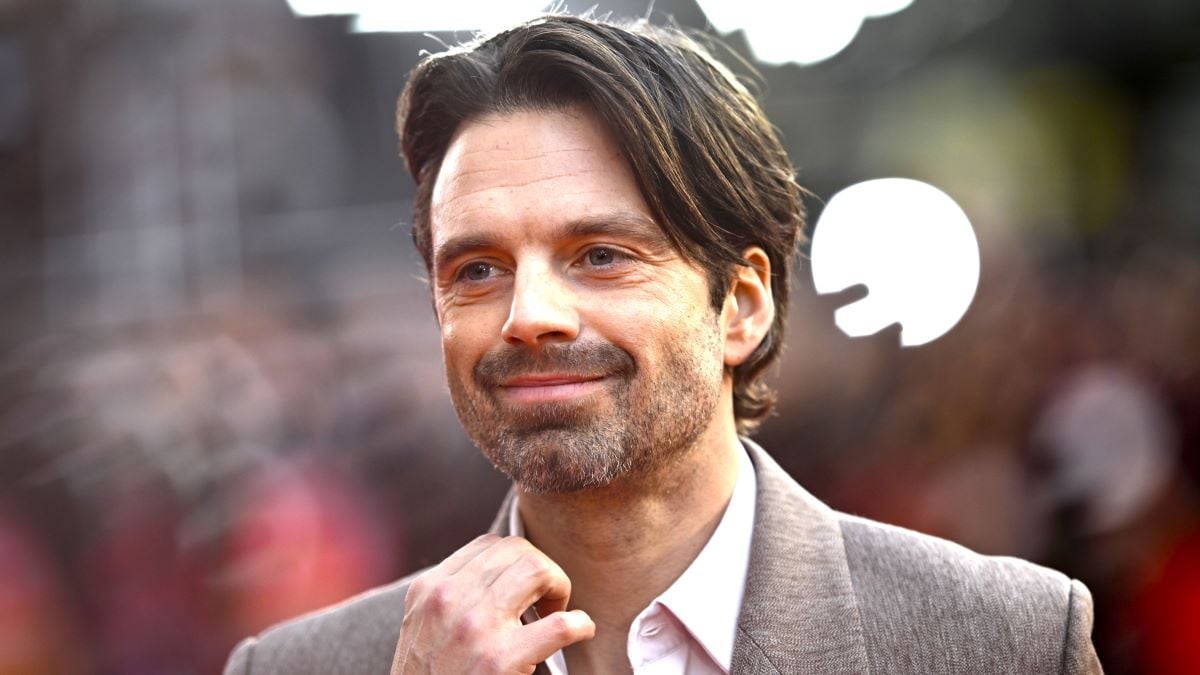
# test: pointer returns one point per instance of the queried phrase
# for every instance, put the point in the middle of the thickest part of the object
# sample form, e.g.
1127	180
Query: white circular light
913	248
801	31
810	32
726	16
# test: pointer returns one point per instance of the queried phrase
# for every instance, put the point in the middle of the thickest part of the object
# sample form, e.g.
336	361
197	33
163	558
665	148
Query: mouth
550	387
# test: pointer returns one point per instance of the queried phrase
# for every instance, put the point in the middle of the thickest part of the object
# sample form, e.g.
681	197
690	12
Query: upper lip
547	379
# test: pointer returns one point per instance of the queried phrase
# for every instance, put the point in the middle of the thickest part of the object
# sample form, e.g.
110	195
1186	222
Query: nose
543	309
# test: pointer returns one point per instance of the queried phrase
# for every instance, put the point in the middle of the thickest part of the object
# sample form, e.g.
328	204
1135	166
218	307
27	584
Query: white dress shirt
690	627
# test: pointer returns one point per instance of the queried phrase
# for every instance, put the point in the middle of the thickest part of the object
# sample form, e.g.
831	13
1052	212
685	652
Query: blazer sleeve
239	660
1079	654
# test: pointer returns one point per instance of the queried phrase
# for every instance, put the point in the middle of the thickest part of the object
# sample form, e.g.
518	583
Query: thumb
537	641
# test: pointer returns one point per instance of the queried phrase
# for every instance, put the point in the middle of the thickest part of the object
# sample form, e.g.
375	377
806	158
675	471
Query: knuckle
538	566
545	573
514	543
465	629
440	596
511	542
559	627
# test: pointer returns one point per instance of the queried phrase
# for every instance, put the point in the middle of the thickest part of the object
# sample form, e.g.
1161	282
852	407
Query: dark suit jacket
825	593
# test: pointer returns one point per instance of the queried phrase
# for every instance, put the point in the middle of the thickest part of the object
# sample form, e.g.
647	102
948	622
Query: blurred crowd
221	396
170	489
1059	422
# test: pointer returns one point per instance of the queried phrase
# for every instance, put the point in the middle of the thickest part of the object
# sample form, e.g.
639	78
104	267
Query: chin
560	460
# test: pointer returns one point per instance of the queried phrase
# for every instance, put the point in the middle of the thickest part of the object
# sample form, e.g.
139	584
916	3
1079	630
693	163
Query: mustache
593	359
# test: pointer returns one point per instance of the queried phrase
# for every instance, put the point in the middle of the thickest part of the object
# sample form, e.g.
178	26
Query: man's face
579	346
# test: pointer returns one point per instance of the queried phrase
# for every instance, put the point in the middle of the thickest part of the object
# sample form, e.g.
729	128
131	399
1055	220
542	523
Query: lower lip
548	393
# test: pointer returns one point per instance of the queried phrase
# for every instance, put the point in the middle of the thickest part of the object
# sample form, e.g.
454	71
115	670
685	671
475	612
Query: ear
749	308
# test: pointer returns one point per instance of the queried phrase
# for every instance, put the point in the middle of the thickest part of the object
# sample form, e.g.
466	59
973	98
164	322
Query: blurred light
910	244
817	31
404	17
1110	438
873	9
809	32
322	7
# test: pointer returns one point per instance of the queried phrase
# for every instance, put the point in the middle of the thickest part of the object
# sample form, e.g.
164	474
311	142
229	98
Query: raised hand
464	616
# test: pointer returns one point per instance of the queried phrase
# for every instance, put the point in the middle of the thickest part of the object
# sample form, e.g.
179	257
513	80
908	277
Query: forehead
530	169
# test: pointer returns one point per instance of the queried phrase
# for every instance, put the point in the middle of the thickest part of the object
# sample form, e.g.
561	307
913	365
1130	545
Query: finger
432	578
475	576
533	578
537	641
463	556
486	567
555	599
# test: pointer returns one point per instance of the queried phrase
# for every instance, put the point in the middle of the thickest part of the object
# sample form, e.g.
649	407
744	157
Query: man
608	221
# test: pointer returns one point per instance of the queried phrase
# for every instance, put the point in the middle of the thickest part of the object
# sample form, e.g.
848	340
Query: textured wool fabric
825	593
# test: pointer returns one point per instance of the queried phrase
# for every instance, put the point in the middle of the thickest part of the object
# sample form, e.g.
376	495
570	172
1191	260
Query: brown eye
479	271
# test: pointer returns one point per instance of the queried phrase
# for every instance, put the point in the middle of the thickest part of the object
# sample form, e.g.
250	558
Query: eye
602	257
477	271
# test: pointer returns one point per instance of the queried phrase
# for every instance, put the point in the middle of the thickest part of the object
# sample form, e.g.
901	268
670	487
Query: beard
639	421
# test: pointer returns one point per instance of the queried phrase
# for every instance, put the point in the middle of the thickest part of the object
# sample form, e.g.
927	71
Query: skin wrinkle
631	279
550	447
489	208
698	143
592	230
468	153
491	121
648	449
565	174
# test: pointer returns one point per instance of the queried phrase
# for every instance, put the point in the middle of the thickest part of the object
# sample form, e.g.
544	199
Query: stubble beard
640	423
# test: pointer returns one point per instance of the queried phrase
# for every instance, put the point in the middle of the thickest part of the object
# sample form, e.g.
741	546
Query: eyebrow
622	224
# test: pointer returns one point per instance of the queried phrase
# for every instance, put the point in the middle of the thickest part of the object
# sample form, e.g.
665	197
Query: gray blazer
825	593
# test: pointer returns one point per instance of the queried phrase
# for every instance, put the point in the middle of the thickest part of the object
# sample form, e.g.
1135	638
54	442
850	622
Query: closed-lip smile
548	387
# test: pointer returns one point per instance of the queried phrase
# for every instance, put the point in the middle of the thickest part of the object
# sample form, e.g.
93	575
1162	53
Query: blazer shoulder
930	605
357	635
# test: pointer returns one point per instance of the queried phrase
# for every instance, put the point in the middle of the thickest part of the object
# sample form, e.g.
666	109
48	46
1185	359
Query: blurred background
221	396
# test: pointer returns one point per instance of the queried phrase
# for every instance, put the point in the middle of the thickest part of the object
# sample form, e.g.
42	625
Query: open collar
799	613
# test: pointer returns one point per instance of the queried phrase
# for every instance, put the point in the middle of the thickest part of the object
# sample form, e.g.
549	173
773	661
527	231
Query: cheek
468	324
656	335
459	343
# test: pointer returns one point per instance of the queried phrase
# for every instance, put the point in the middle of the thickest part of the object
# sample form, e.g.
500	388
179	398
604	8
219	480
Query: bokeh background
221	398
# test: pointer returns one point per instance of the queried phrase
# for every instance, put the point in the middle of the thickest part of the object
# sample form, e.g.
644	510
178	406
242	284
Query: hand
464	616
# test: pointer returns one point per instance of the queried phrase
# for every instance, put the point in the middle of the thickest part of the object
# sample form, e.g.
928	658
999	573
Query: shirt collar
707	597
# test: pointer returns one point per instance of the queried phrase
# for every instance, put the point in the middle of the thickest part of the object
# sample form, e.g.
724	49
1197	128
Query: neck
624	544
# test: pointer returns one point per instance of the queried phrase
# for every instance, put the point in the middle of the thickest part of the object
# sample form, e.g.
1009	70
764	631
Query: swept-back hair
707	161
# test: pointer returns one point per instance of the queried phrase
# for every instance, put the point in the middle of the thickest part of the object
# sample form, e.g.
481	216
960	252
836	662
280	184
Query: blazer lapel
799	613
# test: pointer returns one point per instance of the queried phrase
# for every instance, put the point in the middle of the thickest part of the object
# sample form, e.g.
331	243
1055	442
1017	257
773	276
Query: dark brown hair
708	162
